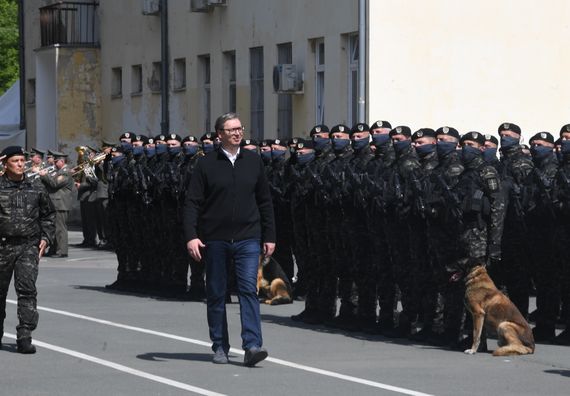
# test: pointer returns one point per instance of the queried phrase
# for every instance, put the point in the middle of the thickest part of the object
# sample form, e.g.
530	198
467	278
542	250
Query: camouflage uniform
26	216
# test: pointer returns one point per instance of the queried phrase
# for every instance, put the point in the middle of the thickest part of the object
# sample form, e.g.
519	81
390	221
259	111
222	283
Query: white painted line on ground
124	369
315	370
83	258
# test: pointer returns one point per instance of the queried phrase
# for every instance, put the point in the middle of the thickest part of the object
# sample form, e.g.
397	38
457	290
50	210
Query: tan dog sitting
492	308
272	284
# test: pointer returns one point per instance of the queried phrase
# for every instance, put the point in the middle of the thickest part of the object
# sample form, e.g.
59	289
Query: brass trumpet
88	166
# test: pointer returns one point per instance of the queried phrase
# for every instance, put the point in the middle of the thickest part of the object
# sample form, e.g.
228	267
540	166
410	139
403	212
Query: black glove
493	255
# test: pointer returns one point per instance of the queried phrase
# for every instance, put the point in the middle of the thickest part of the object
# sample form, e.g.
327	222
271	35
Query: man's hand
43	172
268	249
193	246
43	246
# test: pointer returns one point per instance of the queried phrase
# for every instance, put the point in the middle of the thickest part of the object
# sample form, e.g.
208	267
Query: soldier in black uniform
561	197
490	153
541	219
249	144
515	264
400	200
27	226
424	142
384	158
444	214
265	152
207	140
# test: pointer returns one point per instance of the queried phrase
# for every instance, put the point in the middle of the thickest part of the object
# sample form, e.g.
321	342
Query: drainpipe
22	61
164	86
362	61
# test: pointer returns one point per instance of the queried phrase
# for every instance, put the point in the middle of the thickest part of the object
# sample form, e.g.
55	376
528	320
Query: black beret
280	142
445	130
491	138
266	143
319	129
423	132
304	143
189	139
127	135
340	128
173	136
11	151
473	136
34	151
360	127
292	141
118	149
401	130
546	136
248	142
208	136
139	138
160	137
509	126
565	128
149	141
381	124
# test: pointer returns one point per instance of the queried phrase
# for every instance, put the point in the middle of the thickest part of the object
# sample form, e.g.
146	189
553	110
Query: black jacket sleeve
193	203
265	205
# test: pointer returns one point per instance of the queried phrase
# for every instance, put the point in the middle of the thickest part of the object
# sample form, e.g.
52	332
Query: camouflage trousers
20	257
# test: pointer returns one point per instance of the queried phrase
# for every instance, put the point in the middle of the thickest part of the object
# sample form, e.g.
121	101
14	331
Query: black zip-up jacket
229	203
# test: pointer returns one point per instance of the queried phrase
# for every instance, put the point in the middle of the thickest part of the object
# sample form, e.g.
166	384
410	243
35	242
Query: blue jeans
245	255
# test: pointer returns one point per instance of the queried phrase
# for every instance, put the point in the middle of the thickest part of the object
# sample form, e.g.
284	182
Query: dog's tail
516	349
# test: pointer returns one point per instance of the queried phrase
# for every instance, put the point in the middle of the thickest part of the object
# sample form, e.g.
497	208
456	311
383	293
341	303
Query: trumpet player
86	184
37	159
59	187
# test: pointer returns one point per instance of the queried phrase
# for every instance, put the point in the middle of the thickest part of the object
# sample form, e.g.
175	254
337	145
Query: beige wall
237	27
471	65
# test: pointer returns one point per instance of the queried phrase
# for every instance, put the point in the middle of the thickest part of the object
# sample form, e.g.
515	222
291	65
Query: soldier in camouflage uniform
541	218
478	235
490	153
27	226
515	264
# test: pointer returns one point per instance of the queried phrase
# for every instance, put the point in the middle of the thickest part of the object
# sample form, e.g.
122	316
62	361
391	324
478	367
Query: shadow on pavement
198	357
564	373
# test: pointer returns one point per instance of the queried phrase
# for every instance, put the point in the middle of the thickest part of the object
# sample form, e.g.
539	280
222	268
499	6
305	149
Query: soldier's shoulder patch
491	178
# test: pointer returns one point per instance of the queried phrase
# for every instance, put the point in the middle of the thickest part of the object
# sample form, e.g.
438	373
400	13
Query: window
353	79
256	85
284	101
179	74
155	82
136	80
116	82
230	79
204	63
31	92
320	81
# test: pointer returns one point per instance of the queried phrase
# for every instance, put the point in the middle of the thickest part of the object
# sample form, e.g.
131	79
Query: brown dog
272	284
491	307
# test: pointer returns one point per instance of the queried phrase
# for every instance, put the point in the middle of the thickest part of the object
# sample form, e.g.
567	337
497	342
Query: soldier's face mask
117	159
175	150
305	158
128	147
565	147
380	139
445	148
540	152
425	149
359	144
266	155
190	150
321	143
402	145
138	150
490	154
161	148
340	144
275	154
469	153
207	148
150	151
509	141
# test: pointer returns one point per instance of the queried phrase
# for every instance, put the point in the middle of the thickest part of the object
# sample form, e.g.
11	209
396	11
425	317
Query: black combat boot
25	346
563	338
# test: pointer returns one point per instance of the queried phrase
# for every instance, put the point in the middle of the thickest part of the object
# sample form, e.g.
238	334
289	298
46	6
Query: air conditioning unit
200	6
217	3
151	7
286	79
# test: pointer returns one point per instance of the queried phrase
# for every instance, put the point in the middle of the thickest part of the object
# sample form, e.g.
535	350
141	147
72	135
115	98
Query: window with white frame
284	101
204	62
320	81
256	85
352	78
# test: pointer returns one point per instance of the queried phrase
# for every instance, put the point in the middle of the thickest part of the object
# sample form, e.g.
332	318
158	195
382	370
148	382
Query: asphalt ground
92	341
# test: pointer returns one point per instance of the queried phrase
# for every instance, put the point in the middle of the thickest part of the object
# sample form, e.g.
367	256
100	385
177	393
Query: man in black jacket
228	215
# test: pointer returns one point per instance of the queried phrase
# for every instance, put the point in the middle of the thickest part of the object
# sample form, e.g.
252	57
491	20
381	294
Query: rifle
544	188
517	204
450	198
418	195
